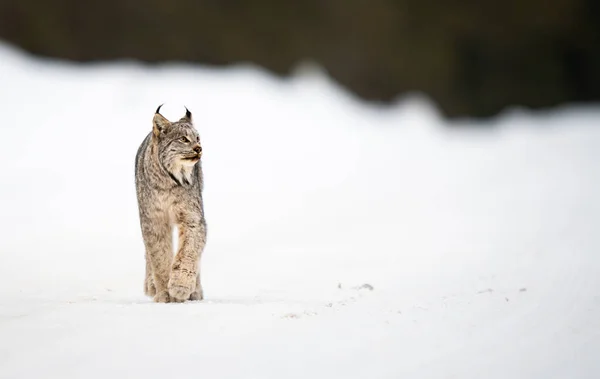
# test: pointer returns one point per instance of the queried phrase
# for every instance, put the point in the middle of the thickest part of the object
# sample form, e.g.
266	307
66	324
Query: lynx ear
159	123
188	115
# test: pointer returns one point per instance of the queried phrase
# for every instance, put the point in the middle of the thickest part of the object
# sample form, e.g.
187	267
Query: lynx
169	184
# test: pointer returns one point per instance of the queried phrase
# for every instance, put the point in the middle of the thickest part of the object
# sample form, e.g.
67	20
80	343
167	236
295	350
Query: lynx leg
197	294
149	288
157	238
184	273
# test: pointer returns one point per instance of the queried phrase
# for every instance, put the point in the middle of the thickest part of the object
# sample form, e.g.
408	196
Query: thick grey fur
169	184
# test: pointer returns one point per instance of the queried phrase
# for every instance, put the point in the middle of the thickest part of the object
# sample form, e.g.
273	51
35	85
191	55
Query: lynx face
178	143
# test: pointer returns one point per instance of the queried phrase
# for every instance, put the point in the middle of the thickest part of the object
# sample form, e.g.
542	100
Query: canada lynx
169	183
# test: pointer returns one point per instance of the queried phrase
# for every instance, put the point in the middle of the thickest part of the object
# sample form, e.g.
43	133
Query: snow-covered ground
346	240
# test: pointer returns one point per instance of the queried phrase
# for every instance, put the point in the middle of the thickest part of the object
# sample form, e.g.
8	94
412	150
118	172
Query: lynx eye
184	139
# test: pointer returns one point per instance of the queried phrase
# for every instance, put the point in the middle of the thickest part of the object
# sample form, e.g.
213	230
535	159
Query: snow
345	239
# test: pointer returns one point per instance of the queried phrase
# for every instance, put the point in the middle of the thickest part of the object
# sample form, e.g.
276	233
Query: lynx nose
198	149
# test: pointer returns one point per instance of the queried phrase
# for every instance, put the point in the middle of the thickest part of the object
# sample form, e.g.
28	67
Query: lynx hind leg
197	294
149	287
157	238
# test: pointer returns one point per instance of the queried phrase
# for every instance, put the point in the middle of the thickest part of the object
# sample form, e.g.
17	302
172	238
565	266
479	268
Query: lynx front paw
181	284
180	292
162	297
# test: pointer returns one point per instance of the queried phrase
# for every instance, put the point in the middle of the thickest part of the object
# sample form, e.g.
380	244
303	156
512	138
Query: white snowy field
345	240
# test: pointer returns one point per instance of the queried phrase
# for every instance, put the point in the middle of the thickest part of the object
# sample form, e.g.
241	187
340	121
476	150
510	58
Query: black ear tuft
158	109
188	114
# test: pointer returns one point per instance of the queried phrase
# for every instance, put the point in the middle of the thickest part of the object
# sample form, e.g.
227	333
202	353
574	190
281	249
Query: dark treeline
473	57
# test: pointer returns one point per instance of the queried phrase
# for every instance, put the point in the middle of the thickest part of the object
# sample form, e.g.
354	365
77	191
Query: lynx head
178	142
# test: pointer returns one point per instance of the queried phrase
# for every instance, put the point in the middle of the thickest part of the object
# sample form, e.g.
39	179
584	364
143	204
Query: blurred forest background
472	57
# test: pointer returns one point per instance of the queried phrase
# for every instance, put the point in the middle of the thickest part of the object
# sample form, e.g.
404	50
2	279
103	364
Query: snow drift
345	239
